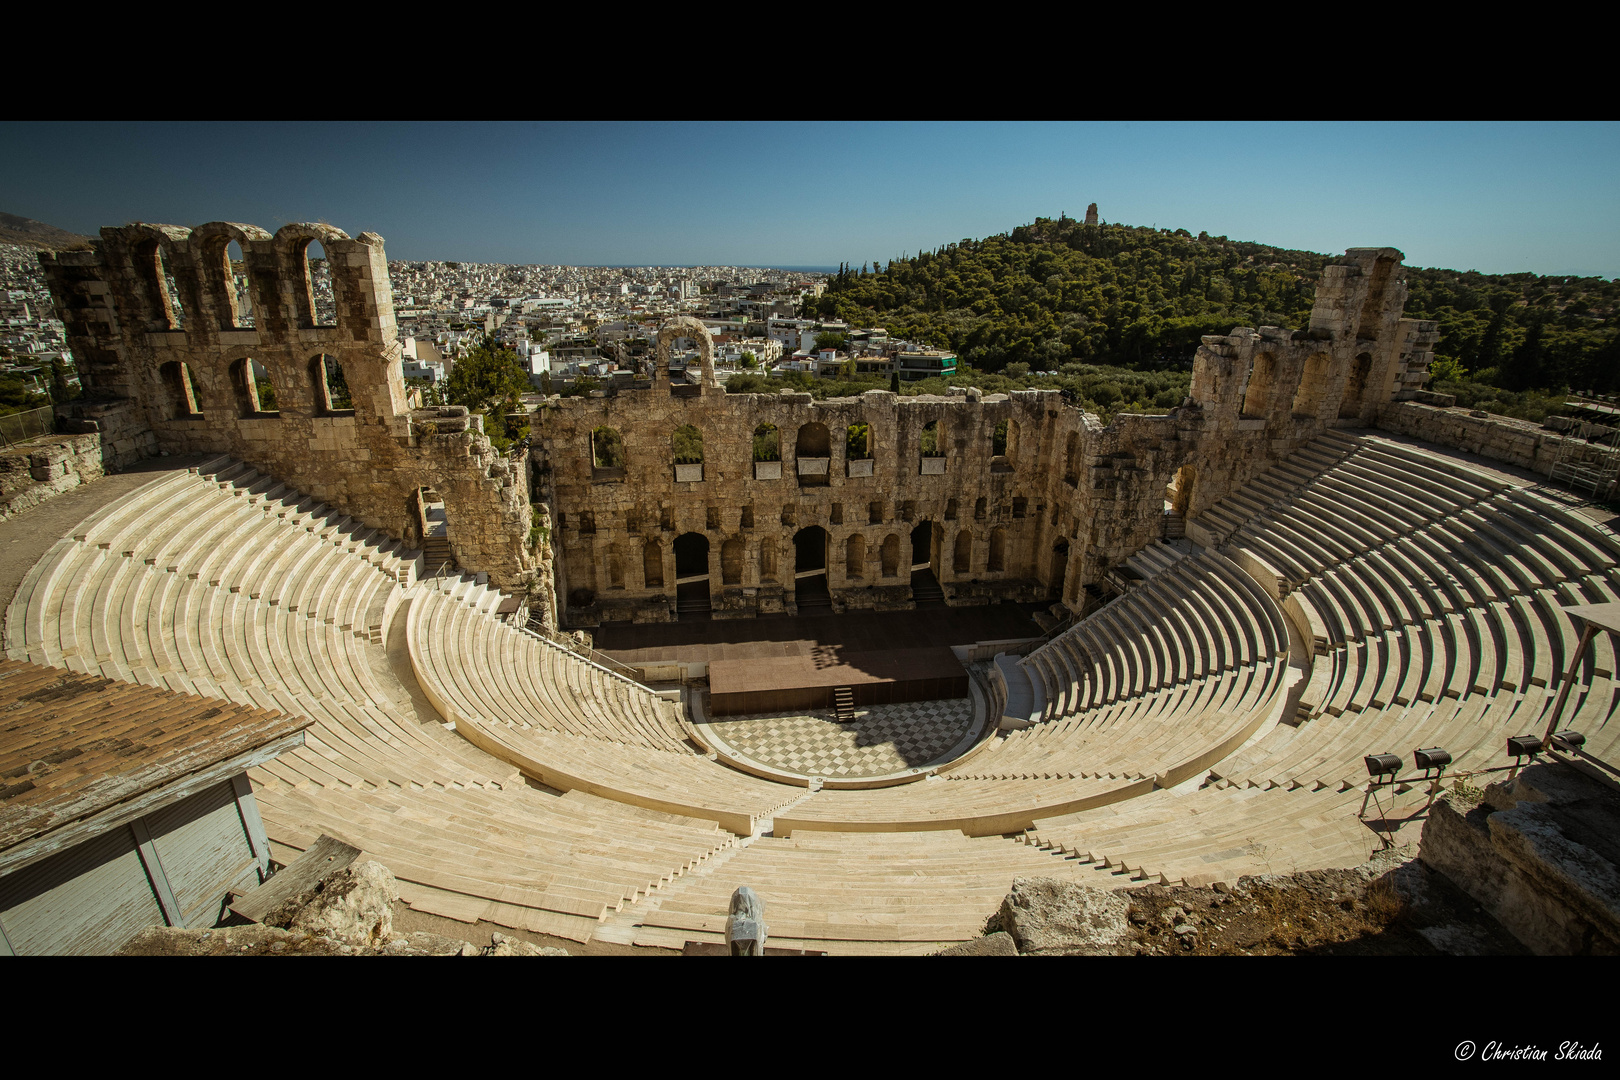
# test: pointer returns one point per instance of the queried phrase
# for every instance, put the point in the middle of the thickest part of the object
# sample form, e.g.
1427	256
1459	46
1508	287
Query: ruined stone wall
1069	500
46	468
165	351
1501	438
616	526
156	323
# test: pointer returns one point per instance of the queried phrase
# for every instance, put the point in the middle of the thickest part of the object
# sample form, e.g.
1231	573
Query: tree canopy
486	377
1059	292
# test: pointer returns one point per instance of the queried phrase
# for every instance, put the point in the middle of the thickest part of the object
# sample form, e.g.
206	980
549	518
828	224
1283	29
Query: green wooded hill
1058	292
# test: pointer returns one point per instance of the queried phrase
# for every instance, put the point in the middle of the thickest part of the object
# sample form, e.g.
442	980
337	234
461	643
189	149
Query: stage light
1524	746
1431	758
1570	742
1382	765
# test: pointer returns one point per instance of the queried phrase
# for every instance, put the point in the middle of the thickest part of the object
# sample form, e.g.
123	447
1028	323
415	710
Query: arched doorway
1060	566
810	568
925	590
691	576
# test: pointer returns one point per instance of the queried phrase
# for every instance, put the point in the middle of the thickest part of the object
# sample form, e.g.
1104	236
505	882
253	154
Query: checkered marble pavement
881	739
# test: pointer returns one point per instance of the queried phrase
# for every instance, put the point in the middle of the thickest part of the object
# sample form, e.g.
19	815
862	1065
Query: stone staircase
844	704
436	552
925	590
692	603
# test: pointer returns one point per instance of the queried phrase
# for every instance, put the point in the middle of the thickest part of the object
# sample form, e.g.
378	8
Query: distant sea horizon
747	266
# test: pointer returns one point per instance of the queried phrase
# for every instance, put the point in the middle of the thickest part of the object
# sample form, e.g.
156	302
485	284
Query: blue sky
1543	197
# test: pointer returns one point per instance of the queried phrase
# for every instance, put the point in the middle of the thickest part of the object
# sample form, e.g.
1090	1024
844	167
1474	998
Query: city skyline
1497	198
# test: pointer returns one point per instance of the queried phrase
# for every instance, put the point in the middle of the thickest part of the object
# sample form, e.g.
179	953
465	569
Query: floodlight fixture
1383	766
1432	757
1523	746
1570	742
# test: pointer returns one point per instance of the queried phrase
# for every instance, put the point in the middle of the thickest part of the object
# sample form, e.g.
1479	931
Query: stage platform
708	640
807	680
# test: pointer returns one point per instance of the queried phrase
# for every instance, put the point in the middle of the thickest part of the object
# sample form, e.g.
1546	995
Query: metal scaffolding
1588	456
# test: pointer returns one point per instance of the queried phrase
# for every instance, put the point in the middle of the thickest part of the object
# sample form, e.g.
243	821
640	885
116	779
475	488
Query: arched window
950	509
687	445
767	558
855	557
979	509
1178	495
331	388
812	448
162	298
652	565
236	286
858	442
891	555
731	561
318	275
767	443
255	391
607	449
998	550
686	448
1355	387
182	390
963	563
1312	387
932	442
1257	397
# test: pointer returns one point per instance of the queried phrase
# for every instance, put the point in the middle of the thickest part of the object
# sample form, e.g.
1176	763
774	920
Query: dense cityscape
564	322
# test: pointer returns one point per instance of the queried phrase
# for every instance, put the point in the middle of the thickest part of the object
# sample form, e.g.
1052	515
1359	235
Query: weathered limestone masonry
1039	513
1517	442
984	519
165	351
31	474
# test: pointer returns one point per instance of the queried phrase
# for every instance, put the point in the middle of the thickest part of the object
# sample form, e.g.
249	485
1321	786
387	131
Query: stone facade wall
154	319
616	527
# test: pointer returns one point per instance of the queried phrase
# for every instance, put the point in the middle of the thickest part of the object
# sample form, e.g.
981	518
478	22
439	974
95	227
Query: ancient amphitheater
1343	588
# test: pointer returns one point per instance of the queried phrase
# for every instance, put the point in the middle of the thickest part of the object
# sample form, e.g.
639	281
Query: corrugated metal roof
72	745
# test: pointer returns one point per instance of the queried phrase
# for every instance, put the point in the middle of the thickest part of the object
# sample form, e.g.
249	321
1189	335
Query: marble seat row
853	893
1211	835
688	784
1193	619
222	598
1439	625
519	857
480	668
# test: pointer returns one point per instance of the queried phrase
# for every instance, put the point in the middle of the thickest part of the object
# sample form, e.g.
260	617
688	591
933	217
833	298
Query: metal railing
16	427
582	651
